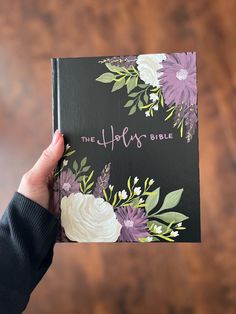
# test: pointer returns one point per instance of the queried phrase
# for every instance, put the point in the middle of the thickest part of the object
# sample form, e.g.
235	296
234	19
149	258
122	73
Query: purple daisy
178	84
134	223
64	185
178	79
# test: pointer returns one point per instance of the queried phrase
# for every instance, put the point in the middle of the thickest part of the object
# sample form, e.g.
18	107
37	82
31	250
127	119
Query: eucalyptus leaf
118	84
140	105
132	110
83	162
80	178
145	98
129	103
133	94
171	200
152	200
86	168
142	86
75	165
131	84
113	68
106	77
171	217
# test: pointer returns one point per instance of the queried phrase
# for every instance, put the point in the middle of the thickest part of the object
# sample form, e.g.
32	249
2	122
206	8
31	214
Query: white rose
89	219
148	65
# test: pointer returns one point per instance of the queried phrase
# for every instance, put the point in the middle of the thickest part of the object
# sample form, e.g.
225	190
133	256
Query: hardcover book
130	170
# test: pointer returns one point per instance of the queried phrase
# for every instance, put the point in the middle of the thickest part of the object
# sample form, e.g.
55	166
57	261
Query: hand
34	183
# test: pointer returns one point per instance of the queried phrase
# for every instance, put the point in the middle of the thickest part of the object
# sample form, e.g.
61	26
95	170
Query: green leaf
75	165
118	84
152	200
162	101
142	86
135	202
85	169
132	110
90	176
89	186
145	98
140	105
131	84
69	153
79	179
128	184
113	68
133	94
171	200
83	162
129	103
172	217
106	77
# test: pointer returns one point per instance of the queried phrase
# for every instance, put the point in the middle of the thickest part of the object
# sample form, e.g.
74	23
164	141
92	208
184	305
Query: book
130	170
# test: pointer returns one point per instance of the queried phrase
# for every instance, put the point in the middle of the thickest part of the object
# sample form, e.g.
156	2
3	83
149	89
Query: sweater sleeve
27	237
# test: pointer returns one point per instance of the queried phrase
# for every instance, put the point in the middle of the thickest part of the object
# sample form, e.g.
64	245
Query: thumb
48	160
34	183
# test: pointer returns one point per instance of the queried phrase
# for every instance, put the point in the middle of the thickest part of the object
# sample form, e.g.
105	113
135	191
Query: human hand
34	183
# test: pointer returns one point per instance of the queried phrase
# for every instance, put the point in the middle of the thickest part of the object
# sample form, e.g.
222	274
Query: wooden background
140	279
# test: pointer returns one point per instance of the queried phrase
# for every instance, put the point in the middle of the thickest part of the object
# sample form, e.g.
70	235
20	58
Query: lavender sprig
102	181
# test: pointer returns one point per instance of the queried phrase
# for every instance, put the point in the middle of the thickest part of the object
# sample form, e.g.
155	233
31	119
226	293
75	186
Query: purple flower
64	185
178	84
134	223
178	79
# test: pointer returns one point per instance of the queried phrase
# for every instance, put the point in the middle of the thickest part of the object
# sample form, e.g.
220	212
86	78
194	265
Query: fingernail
56	137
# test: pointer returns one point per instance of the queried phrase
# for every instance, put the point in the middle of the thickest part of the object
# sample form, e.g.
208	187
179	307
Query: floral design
94	211
148	66
134	223
64	185
153	81
102	181
89	219
178	81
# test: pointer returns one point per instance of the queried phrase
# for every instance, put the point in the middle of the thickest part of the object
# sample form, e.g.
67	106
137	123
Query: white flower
153	97
111	187
141	201
151	182
137	190
157	229
136	180
174	233
122	194
65	162
67	146
89	219
147	113
179	224
155	107
148	65
149	239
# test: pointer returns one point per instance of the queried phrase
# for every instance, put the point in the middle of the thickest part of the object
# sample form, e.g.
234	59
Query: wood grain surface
133	279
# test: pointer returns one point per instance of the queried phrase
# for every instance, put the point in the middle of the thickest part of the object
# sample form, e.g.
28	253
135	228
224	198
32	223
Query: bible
130	169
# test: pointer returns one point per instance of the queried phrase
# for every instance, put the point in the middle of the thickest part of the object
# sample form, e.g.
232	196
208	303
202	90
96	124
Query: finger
49	159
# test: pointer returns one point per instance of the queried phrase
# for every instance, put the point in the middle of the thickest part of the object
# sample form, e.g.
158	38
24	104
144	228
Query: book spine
55	95
56	125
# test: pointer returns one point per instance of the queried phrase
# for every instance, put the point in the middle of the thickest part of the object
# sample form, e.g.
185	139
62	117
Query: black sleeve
27	237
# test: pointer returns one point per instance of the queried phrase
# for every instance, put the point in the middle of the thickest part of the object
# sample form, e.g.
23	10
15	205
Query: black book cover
130	170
